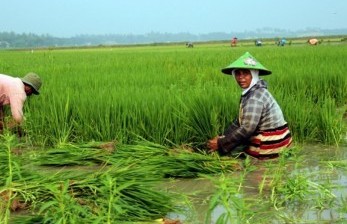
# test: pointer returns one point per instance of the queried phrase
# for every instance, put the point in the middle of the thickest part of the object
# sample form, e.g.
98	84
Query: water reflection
325	166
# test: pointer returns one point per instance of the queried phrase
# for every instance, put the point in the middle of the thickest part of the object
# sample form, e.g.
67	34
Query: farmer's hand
12	124
15	128
212	144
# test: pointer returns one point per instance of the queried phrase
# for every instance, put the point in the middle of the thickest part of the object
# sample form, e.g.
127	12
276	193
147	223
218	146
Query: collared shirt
12	93
259	111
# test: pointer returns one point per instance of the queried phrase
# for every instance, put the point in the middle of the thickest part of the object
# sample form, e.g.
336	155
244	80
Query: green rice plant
63	118
189	164
315	82
136	197
9	172
340	164
275	172
70	156
343	208
331	127
298	188
302	124
120	172
62	208
15	180
229	196
175	162
111	186
123	192
204	116
293	189
201	121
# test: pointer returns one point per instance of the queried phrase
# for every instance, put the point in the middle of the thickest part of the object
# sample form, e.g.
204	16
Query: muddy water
315	161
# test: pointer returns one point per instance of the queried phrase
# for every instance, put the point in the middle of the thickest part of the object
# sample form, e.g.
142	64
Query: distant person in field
234	42
13	93
281	42
260	129
258	43
189	44
313	41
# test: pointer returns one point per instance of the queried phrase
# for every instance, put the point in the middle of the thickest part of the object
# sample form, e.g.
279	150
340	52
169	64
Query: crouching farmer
13	93
260	127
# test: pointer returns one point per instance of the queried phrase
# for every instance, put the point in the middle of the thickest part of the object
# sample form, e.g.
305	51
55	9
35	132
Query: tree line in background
9	40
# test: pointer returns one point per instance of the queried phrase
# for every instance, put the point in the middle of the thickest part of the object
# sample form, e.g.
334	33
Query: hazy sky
66	18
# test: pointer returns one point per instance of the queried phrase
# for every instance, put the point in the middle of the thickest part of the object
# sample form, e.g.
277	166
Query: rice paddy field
118	135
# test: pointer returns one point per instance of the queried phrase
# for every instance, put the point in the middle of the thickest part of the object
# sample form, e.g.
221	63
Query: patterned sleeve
232	127
249	120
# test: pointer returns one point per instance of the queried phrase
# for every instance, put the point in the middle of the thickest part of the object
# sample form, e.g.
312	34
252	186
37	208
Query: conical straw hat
246	61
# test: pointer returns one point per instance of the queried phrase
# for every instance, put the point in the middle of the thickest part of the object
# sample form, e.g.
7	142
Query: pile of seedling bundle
96	182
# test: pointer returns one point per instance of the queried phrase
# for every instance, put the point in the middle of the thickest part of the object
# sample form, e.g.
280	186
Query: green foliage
229	196
171	95
98	182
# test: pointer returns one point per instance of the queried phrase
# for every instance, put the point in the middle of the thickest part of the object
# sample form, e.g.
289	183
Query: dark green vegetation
95	182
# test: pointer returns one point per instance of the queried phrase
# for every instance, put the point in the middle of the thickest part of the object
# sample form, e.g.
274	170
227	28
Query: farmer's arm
252	111
232	127
212	144
16	104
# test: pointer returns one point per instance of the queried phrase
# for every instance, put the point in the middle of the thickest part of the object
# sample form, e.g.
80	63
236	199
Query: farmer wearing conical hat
14	92
260	127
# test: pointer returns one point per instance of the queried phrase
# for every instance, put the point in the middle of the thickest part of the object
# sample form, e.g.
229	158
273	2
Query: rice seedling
62	208
330	123
118	193
177	162
341	164
230	199
10	173
121	187
343	208
293	187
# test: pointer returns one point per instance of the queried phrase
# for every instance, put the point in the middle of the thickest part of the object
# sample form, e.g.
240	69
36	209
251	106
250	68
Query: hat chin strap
255	79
